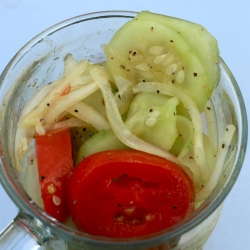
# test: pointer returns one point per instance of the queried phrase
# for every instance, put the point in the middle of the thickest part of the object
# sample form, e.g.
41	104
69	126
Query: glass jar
40	62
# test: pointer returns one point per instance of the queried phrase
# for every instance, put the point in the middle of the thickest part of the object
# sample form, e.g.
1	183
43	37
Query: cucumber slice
152	117
199	39
101	141
79	135
145	49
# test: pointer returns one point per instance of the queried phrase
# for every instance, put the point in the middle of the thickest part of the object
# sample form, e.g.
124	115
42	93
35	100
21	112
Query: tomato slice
54	158
127	193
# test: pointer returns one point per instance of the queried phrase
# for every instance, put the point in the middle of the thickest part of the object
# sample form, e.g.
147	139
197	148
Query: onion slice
89	115
118	126
68	123
219	166
68	100
33	117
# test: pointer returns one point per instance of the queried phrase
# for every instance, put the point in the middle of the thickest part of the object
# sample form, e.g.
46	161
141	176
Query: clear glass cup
39	62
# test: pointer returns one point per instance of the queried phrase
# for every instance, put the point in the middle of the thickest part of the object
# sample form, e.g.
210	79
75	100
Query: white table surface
228	21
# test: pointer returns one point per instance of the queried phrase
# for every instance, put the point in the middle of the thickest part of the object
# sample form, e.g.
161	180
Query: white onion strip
187	134
68	123
172	90
219	166
192	166
89	115
211	124
25	134
37	98
118	126
125	94
32	118
68	100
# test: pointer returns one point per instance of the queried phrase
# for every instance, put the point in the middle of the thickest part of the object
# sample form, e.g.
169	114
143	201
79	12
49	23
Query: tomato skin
127	193
54	157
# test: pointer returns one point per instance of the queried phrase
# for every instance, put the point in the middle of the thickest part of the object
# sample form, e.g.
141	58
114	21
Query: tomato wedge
128	193
54	158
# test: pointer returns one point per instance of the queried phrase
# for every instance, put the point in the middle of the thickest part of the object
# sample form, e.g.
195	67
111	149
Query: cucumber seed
135	56
160	58
150	122
168	59
180	76
155	50
143	67
171	69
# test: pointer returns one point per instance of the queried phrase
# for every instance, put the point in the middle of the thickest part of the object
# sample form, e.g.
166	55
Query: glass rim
180	228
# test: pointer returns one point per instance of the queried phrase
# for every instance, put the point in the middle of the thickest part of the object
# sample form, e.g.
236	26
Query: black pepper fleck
195	74
157	91
76	110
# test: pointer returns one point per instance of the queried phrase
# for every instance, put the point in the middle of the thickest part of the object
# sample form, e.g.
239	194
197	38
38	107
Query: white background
228	21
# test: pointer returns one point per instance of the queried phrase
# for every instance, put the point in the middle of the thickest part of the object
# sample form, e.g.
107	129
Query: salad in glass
129	146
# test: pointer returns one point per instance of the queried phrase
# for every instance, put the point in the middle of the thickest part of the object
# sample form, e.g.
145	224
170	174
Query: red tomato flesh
127	193
54	158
